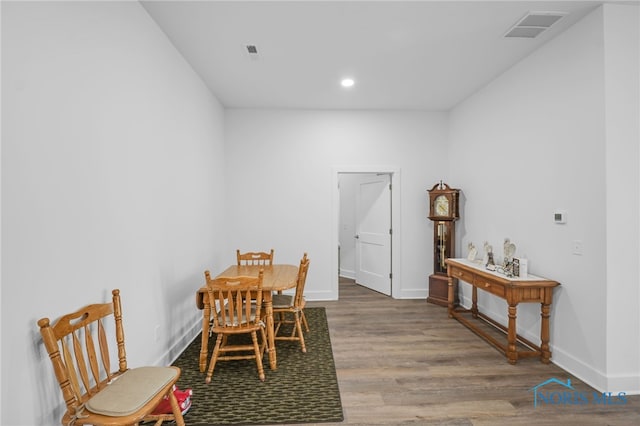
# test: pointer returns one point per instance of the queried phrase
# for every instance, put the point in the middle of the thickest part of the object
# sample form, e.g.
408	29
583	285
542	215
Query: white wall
280	164
112	173
537	140
622	129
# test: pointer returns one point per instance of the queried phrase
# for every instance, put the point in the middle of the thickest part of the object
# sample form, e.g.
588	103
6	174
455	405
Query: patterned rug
304	388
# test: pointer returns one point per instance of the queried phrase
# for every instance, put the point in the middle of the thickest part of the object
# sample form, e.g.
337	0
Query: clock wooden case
443	211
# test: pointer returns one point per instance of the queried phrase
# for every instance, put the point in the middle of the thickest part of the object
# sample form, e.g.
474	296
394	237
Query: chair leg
304	320
175	408
296	332
300	335
214	358
263	334
277	328
256	349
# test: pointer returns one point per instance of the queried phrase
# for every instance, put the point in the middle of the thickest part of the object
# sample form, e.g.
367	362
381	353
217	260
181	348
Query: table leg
450	294
474	301
545	353
206	315
267	303
512	352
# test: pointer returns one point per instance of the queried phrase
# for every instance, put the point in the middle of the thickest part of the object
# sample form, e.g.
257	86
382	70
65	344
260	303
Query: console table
512	289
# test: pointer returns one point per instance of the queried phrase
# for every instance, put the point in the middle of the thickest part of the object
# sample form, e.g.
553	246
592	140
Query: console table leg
545	353
512	352
474	302
450	294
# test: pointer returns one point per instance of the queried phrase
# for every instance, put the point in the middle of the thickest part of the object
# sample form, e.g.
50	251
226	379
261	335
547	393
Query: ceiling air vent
534	23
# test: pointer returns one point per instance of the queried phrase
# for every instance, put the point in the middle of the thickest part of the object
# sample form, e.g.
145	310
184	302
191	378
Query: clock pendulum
441	245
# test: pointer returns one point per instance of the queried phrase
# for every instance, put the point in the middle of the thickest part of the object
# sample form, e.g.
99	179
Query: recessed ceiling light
347	82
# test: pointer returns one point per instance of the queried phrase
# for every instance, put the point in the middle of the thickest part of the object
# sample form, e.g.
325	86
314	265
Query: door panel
373	237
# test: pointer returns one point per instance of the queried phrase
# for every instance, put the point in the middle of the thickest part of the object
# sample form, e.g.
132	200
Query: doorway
366	224
365	229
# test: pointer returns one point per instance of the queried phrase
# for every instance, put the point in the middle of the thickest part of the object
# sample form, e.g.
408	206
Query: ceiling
402	54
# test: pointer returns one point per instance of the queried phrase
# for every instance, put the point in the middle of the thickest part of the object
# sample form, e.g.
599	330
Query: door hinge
390	275
390	231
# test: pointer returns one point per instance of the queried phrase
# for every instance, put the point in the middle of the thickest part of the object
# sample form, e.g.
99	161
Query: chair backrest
255	258
302	279
78	347
233	298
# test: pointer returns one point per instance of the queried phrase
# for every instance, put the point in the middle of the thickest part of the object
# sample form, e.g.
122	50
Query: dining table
276	277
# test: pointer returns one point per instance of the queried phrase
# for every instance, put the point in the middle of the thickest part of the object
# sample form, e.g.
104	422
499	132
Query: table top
529	280
276	277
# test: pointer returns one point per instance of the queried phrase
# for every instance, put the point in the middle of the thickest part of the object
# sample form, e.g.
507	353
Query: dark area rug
304	388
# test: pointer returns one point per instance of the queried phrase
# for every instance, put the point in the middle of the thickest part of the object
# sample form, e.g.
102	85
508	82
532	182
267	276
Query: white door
373	232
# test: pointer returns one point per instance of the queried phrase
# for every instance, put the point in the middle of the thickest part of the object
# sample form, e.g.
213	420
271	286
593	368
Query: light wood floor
405	362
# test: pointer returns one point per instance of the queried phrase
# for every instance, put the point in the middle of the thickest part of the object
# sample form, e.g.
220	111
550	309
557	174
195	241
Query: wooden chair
78	346
236	305
294	305
255	258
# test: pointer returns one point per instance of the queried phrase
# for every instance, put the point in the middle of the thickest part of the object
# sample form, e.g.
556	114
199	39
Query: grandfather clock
443	211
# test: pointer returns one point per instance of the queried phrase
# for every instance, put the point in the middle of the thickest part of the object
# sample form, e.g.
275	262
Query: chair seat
233	322
131	391
282	301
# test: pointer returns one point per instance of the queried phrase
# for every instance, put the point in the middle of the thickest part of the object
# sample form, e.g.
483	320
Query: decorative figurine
507	261
488	256
472	252
509	251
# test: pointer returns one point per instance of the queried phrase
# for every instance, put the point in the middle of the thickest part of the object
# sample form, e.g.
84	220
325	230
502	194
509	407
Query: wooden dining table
276	277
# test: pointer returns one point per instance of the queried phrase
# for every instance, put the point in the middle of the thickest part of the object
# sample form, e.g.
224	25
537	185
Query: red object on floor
184	402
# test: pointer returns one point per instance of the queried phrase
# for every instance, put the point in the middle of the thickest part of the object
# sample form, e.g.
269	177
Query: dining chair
255	258
236	304
284	304
78	346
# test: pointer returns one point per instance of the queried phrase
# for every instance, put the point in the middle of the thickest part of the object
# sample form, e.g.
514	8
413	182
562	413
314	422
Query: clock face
441	206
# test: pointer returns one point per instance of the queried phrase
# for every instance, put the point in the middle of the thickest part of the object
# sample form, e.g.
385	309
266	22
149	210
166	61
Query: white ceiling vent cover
534	23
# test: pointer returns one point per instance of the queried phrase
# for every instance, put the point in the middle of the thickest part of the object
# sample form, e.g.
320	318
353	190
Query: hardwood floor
405	362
